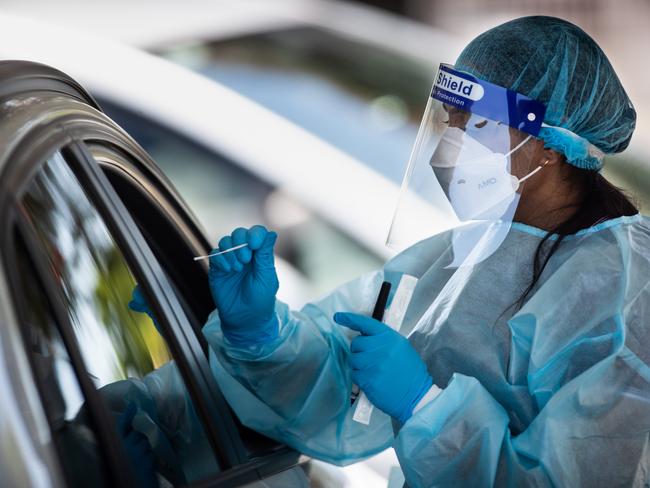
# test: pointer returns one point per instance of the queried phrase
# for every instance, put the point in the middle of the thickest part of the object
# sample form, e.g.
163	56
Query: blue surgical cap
551	60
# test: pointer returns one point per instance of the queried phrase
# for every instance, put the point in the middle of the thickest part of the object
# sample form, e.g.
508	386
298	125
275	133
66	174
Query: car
335	211
85	215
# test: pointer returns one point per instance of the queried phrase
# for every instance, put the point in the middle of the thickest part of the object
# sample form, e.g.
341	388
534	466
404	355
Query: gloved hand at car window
244	283
139	304
138	449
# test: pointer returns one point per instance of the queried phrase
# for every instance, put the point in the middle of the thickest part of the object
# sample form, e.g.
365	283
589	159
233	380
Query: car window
364	99
56	379
123	351
163	231
225	196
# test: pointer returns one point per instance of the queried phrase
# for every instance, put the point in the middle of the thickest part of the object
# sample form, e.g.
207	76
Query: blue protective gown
554	393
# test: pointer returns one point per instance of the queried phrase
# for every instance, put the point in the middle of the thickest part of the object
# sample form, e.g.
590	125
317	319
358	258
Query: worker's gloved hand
386	366
243	284
139	304
138	449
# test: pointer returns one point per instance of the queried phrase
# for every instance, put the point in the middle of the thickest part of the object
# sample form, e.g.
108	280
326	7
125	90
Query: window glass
58	385
124	353
364	99
224	196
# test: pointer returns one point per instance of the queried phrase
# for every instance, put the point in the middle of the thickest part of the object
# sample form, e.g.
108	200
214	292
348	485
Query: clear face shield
468	167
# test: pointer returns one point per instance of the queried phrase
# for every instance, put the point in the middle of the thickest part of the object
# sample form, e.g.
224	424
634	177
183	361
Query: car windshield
365	100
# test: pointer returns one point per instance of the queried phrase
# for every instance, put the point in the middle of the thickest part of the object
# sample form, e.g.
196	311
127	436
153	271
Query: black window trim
115	162
116	158
208	401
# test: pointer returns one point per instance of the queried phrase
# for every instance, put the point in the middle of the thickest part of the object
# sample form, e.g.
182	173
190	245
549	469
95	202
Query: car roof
192	20
329	182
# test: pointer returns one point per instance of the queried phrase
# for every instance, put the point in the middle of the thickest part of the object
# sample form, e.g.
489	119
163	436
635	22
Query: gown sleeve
297	388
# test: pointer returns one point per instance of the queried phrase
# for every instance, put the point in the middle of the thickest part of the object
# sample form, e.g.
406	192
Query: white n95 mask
476	180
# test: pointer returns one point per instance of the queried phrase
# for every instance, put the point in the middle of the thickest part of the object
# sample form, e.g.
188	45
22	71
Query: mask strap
536	170
518	146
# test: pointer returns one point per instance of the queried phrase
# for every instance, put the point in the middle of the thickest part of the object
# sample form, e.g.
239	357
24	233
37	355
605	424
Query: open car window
223	195
163	227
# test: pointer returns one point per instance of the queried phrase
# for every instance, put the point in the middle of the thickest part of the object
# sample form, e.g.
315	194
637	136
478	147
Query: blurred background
299	114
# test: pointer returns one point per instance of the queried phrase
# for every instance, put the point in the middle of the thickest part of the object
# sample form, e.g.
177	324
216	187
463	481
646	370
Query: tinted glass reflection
55	376
124	353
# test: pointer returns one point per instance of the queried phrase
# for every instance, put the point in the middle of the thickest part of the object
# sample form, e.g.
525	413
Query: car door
86	216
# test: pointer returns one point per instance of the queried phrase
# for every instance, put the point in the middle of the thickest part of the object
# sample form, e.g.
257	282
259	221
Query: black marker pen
377	314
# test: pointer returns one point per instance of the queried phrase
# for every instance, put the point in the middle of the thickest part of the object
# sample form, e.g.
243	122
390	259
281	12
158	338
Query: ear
553	157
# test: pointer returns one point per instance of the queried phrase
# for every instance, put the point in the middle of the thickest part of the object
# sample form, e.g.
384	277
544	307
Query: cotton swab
197	258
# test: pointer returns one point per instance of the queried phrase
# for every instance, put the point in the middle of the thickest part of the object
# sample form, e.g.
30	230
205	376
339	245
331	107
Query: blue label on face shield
488	100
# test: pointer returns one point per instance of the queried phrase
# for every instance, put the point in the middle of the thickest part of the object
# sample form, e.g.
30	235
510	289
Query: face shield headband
461	91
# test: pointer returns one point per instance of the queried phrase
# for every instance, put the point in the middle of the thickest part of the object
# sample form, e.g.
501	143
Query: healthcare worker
523	354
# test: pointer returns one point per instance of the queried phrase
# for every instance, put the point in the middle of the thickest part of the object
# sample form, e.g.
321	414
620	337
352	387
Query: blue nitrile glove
138	449
244	284
139	304
386	366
